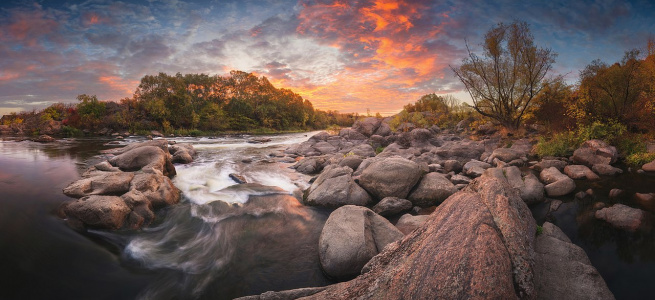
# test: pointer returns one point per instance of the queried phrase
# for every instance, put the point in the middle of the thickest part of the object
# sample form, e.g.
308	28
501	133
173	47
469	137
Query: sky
350	56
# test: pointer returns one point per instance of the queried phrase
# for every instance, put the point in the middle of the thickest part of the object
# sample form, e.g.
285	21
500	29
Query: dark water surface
208	249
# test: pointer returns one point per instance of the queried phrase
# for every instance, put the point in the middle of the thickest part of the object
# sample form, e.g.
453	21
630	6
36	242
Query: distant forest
191	103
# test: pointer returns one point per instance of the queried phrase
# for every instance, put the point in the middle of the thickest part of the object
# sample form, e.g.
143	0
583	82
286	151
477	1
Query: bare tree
511	72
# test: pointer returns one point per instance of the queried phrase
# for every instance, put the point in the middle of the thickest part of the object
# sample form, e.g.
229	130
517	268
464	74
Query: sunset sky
345	55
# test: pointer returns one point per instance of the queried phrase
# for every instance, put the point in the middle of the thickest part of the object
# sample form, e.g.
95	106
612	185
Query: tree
511	72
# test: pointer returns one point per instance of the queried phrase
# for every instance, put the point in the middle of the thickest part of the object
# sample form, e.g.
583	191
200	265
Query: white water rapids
216	243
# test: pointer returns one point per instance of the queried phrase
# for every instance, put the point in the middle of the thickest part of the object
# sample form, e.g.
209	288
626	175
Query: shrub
69	131
609	132
561	144
379	150
540	230
639	159
333	129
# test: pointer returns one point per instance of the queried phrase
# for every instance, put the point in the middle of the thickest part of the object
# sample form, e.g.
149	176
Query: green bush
609	132
379	150
69	131
540	230
639	159
561	144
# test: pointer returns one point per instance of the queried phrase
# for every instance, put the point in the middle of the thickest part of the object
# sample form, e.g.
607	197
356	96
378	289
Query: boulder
146	158
547	163
557	184
182	153
352	235
563	270
390	206
351	134
325	148
477	244
475	168
452	165
606	170
433	189
160	143
44	139
311	165
647	201
363	150
103	183
383	130
335	187
505	155
158	190
390	177
367	126
460	179
649	167
104	212
529	187
580	172
408	223
594	152
463	151
351	161
624	217
321	136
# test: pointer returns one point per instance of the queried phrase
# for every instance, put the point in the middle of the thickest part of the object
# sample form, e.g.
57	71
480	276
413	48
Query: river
205	249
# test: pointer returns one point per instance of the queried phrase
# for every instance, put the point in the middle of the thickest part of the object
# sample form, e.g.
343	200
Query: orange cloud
121	85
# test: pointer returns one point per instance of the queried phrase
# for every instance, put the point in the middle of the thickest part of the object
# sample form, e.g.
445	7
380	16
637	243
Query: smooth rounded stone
103	183
547	163
624	217
325	148
532	190
580	172
606	170
390	177
452	165
238	178
335	187
647	201
363	150
352	235
475	168
420	137
463	151
435	168
594	152
555	204
351	161
383	130
105	166
461	186
351	135
615	193
408	223
183	153
321	136
580	195
390	206
367	126
311	165
161	144
144	158
598	205
105	212
477	244
649	167
45	139
557	184
562	269
433	189
460	179
506	154
157	189
590	192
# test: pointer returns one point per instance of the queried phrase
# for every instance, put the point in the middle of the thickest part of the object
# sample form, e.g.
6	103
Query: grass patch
540	230
379	150
561	144
639	159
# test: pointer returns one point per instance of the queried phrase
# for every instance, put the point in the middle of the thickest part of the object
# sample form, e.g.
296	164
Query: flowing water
225	240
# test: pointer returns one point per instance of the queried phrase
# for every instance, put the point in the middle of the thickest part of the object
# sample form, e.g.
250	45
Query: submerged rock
557	184
351	236
580	172
106	212
624	217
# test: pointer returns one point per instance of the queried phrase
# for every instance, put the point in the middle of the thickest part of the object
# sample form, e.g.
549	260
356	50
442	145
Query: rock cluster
124	190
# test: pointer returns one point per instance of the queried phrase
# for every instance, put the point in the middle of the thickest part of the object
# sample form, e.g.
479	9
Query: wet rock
182	153
408	223
623	217
285	295
475	168
44	139
161	143
158	190
238	178
311	165
547	163
555	204
580	172
433	189
594	152
489	220
147	158
103	183
563	270
390	206
335	187
390	177
352	235
615	193
606	170
104	212
598	205
647	201
557	184
649	167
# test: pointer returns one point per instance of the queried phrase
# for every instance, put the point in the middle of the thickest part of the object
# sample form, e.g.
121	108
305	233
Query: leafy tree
510	73
90	110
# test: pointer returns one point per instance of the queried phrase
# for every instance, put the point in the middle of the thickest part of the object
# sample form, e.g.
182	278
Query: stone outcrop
433	189
563	270
352	235
594	152
529	187
475	168
488	219
625	217
557	184
335	187
408	223
146	158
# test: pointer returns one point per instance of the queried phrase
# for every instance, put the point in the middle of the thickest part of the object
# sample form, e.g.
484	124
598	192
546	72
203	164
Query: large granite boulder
390	206
159	143
158	190
351	135
335	187
101	183
557	184
146	158
433	189
547	163
649	167
594	152
408	223
563	270
475	168
390	177
580	172
477	244
367	126
182	153
311	165
529	187
625	217
105	212
463	150
606	170
352	235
